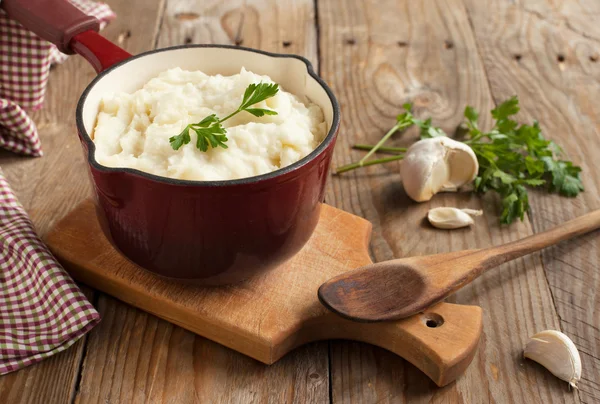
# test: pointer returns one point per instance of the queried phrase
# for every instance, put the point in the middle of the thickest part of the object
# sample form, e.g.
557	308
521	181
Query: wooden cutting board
270	315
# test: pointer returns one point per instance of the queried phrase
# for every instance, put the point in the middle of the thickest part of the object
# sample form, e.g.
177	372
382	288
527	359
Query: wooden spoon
396	289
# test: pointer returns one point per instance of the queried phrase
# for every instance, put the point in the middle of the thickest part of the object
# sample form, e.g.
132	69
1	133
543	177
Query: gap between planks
159	22
318	46
95	295
529	211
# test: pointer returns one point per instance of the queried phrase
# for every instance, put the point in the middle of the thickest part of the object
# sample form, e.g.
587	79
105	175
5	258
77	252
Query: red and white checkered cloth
25	61
42	311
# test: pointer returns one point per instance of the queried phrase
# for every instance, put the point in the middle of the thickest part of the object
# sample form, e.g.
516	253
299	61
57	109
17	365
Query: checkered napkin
42	311
25	61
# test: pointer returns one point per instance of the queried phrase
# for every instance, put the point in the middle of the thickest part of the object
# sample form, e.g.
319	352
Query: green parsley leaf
510	208
256	93
209	120
214	135
534	166
428	131
534	182
260	111
472	115
565	178
406	117
571	186
181	139
504	177
508	108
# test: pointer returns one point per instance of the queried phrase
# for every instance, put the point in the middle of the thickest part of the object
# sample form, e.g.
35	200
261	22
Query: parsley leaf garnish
210	131
256	93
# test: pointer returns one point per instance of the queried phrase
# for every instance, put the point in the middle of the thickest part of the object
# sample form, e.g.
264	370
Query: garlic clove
437	164
423	170
462	162
452	218
557	353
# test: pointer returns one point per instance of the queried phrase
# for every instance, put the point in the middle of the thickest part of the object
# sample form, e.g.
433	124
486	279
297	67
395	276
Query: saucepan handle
71	30
56	21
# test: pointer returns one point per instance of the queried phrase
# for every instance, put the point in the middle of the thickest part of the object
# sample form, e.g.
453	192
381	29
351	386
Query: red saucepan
206	232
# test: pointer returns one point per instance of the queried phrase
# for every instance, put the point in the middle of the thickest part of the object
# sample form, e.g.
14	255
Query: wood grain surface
558	80
376	55
269	315
431	59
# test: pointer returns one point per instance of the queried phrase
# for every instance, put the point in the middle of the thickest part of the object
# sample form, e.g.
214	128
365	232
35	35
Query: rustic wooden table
376	55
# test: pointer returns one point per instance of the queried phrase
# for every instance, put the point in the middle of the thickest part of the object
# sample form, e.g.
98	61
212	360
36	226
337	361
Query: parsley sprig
210	131
511	157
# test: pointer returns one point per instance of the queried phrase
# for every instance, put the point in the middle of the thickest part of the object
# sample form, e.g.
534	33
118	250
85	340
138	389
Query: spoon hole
432	320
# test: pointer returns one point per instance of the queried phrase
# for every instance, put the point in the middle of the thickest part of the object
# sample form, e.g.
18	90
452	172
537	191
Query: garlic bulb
452	218
557	353
437	164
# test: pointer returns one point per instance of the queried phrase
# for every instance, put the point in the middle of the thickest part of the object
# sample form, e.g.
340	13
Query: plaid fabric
25	61
42	311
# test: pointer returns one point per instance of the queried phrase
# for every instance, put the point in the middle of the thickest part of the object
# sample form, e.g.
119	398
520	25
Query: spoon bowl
346	293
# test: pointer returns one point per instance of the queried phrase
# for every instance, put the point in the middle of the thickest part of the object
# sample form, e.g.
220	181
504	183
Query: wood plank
377	55
579	16
50	186
563	96
275	26
134	357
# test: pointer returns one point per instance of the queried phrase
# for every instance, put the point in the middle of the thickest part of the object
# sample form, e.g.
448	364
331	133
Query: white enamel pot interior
293	73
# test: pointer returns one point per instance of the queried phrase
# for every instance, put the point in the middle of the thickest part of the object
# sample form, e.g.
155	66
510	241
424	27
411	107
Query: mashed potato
133	130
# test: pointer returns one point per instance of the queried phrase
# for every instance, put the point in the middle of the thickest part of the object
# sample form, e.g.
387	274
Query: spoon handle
494	256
